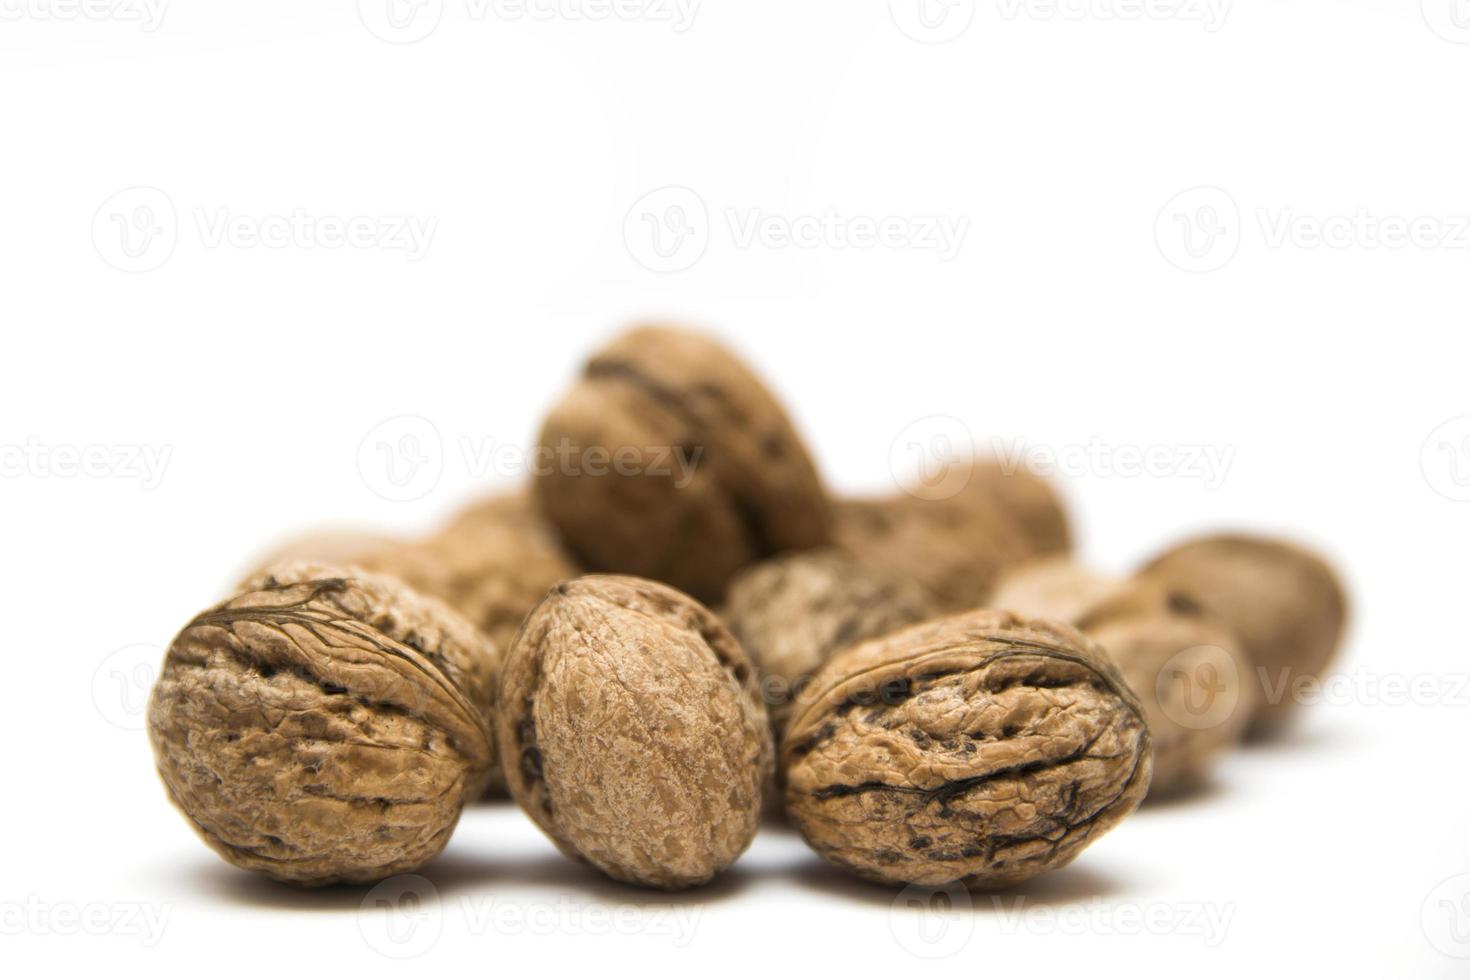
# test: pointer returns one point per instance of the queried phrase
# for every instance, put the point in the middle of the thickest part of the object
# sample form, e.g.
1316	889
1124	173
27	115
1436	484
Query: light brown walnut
791	613
1284	602
325	725
980	749
1188	669
669	459
632	733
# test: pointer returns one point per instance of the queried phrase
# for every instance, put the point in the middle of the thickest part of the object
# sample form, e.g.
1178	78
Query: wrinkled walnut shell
981	749
1284	603
1188	670
791	613
713	475
325	725
632	732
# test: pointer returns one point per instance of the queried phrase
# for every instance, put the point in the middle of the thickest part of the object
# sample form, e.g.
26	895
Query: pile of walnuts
936	692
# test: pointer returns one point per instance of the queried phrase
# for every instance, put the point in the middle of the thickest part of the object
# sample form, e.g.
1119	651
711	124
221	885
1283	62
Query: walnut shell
791	613
981	748
1030	501
325	725
956	547
632	732
1189	671
661	399
1284	603
492	563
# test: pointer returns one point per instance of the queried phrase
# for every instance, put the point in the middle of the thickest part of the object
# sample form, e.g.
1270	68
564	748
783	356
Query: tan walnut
1188	669
325	725
1283	601
791	613
958	545
980	749
669	459
632	732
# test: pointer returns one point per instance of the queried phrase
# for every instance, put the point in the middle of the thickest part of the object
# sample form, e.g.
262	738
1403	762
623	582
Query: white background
1073	318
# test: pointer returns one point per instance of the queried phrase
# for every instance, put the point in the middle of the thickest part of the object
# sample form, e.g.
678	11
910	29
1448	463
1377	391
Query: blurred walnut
325	725
1188	669
632	733
981	749
1284	603
791	613
669	459
492	563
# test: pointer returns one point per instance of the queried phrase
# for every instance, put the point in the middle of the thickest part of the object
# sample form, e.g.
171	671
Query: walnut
325	725
981	748
492	563
669	459
1189	671
632	733
1284	603
791	613
958	546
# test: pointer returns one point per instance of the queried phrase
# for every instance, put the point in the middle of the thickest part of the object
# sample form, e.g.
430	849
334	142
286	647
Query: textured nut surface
492	563
956	547
632	732
1284	603
325	725
1189	671
981	748
651	402
791	613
